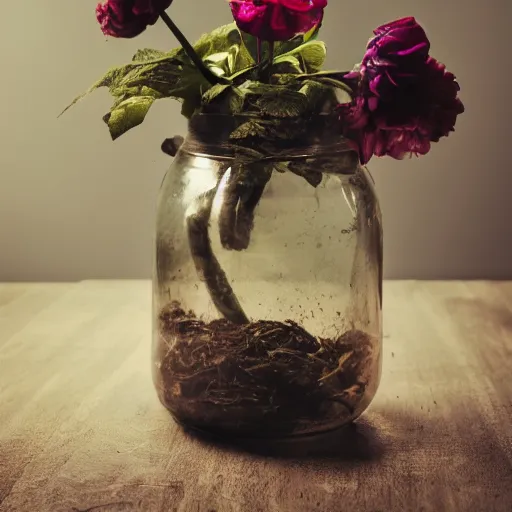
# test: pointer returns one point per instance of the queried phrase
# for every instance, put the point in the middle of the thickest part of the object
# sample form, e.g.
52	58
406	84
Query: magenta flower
129	18
405	99
277	20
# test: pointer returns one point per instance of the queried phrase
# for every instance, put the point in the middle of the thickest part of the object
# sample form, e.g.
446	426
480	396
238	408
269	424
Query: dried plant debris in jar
276	375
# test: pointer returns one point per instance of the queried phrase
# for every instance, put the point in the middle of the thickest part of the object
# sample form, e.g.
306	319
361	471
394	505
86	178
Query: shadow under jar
267	283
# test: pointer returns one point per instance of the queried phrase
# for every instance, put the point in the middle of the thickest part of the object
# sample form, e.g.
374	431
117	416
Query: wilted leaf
281	129
283	47
250	44
255	87
219	40
239	59
214	91
318	95
248	129
288	79
148	54
224	98
314	54
127	114
311	55
287	64
282	102
218	59
306	171
333	78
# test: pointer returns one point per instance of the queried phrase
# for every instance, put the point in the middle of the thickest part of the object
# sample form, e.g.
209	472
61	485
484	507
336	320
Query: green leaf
171	74
313	33
287	64
278	129
248	129
282	102
245	74
317	94
223	48
287	79
128	114
255	87
334	78
239	59
148	54
218	59
166	77
223	98
235	101
312	55
267	132
215	91
219	40
283	47
250	45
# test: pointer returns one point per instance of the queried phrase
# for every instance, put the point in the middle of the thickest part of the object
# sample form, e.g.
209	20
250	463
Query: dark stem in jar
207	265
243	189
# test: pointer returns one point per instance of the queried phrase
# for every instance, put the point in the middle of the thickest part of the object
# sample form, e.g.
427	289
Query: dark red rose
277	20
405	99
398	50
400	38
129	18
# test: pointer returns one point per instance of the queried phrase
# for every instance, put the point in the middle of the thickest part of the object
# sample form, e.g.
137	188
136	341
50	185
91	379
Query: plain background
74	205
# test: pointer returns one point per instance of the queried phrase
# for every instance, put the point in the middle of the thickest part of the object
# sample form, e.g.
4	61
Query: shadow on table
355	442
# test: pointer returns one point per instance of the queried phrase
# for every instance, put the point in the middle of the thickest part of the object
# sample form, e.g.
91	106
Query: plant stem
242	193
207	265
259	50
265	65
189	50
271	47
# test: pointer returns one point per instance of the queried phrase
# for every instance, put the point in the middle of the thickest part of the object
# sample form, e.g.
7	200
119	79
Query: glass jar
267	284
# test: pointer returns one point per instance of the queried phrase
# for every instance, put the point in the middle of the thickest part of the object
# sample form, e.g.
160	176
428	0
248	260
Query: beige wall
74	205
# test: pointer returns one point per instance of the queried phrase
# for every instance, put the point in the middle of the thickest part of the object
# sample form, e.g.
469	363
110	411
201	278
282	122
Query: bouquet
268	65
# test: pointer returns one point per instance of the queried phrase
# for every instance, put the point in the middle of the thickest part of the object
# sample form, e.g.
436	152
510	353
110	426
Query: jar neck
275	139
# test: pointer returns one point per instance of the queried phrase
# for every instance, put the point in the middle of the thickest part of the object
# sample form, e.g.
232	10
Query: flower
393	56
400	38
129	18
277	20
404	100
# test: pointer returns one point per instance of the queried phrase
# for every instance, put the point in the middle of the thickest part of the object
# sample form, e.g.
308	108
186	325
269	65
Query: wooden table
81	428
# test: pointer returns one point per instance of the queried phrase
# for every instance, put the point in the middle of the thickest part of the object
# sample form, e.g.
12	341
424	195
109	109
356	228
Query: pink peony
277	20
129	18
405	99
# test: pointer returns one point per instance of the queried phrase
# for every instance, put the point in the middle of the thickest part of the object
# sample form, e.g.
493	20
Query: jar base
263	434
265	379
346	441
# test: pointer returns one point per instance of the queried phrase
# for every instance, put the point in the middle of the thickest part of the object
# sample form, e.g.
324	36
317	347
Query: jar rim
209	134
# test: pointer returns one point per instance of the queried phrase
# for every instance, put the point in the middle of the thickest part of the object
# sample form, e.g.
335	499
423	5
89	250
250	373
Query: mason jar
267	287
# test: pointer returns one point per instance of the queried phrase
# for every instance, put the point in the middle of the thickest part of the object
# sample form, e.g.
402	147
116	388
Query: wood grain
81	428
